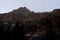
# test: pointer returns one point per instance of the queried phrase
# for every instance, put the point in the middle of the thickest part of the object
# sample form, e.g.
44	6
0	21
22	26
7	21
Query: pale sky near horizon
33	5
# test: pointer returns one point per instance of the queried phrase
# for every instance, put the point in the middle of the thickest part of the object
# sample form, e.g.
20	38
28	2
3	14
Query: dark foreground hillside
23	24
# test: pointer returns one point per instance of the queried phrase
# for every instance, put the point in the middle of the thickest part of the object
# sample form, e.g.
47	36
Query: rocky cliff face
34	26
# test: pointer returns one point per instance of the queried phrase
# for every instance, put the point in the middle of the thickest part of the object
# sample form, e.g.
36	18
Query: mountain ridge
45	24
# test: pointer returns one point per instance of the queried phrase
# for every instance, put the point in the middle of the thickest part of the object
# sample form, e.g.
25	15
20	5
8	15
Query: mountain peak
23	9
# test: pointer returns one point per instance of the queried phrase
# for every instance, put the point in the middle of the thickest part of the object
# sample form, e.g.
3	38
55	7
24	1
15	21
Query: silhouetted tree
18	32
49	30
1	26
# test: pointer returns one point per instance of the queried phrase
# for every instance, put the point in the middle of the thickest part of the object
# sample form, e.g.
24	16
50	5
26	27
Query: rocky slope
35	26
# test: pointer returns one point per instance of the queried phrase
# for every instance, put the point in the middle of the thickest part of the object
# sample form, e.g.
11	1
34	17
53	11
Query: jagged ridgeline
34	26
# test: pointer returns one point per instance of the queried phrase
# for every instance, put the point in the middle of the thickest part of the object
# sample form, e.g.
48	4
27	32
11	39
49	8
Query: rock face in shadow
28	25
